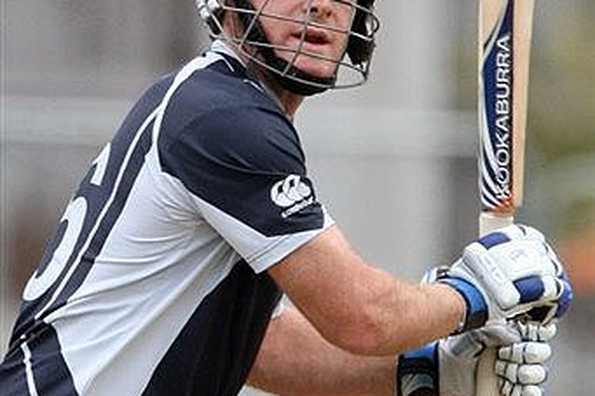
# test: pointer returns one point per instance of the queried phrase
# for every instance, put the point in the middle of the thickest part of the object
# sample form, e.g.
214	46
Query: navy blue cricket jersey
155	281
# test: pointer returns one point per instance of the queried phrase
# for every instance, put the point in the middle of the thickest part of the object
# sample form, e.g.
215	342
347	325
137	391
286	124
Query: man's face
318	40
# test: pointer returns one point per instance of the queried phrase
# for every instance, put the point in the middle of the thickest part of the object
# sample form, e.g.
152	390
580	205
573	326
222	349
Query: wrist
475	308
457	301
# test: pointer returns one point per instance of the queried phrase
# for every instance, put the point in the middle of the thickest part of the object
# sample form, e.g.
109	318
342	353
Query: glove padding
459	355
521	365
448	367
508	273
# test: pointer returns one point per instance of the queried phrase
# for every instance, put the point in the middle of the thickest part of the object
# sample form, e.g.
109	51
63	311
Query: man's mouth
314	37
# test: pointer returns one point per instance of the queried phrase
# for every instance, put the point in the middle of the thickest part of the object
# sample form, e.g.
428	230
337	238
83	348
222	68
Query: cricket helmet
352	67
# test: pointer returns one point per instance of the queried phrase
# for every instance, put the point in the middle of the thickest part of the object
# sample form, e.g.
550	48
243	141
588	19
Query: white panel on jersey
260	251
145	284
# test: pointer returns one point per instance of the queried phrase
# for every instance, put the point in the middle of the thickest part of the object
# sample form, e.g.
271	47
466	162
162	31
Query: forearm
360	308
411	315
295	360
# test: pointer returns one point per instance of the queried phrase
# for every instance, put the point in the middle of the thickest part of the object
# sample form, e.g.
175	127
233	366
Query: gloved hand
507	273
521	366
448	367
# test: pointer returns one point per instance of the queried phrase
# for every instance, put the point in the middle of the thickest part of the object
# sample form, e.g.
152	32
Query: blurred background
393	161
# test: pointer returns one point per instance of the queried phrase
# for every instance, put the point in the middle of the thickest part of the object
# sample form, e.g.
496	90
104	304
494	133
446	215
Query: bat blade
505	28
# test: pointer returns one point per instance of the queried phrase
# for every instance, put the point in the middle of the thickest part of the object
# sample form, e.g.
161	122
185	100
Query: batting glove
448	367
521	365
507	273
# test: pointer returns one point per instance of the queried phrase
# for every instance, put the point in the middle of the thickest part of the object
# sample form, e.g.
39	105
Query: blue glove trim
530	288
565	299
477	309
494	239
420	366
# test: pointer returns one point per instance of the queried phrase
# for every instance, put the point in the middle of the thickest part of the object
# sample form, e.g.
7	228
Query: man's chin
314	68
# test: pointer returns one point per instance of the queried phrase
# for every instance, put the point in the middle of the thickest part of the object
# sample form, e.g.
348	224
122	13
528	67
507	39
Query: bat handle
486	379
490	221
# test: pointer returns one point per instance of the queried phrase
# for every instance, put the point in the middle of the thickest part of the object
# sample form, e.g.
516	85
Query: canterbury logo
289	191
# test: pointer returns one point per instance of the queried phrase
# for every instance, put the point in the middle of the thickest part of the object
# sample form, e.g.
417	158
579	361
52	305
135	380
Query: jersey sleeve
245	171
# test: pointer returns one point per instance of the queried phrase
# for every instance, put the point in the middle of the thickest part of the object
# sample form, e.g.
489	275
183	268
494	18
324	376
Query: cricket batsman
166	270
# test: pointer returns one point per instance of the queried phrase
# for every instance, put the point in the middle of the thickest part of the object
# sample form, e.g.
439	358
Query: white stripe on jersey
104	210
28	370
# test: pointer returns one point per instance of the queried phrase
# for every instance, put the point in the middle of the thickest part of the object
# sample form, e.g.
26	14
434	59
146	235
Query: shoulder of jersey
221	87
222	84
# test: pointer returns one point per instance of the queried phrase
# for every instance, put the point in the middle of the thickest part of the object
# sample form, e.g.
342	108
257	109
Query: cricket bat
505	28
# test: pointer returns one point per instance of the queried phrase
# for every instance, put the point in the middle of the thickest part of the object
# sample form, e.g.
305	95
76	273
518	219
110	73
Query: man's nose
321	8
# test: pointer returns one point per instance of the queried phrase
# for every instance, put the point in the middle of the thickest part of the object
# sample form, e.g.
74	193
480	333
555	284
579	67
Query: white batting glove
507	273
521	365
448	367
